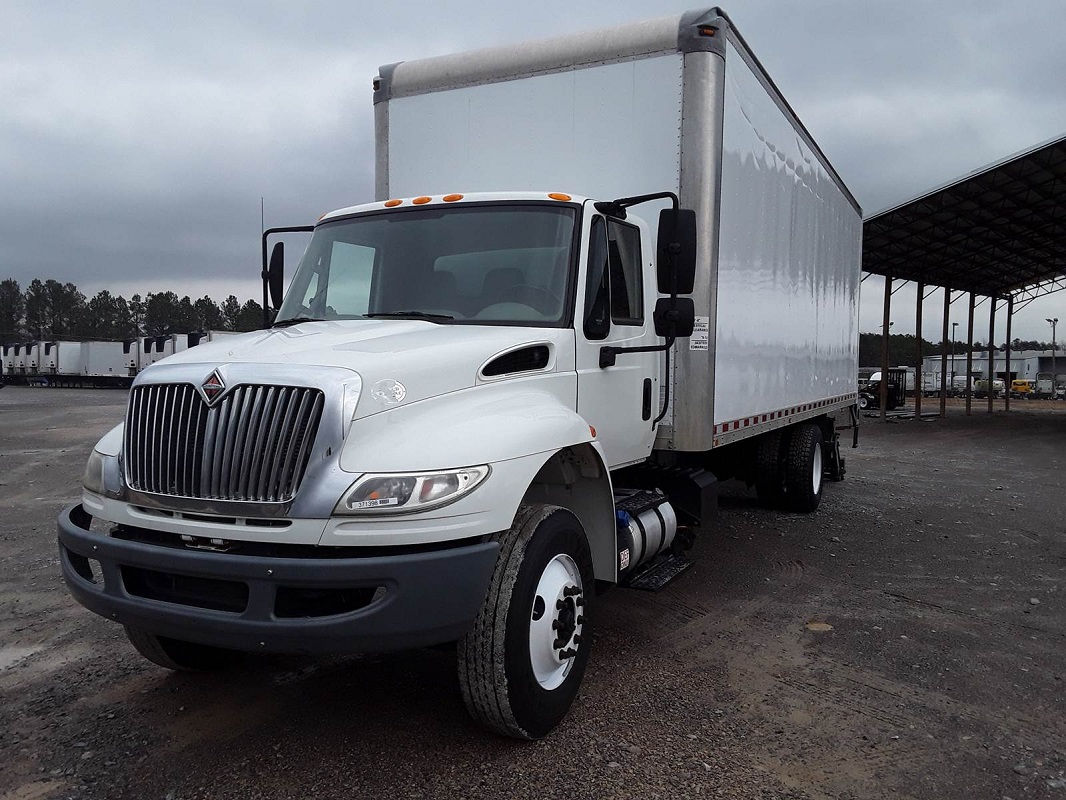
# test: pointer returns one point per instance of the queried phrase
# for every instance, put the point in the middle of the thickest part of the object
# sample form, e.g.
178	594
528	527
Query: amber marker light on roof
392	203
559	196
418	201
451	198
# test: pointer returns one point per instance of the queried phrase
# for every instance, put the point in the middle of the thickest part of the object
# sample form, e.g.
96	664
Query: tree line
902	348
48	309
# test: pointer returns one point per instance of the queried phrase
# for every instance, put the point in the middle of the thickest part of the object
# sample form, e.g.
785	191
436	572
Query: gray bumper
235	601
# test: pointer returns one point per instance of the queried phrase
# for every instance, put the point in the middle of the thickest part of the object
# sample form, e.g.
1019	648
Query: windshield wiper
411	315
285	323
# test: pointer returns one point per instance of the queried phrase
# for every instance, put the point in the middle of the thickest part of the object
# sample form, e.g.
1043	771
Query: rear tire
804	469
513	677
179	655
769	475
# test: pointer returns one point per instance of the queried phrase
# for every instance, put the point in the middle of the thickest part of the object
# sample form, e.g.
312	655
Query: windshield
493	264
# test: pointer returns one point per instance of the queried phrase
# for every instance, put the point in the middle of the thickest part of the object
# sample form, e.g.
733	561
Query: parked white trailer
159	347
7	361
30	358
503	382
105	362
61	361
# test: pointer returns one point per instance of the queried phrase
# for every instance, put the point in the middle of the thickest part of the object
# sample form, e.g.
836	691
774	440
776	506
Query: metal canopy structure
995	232
999	232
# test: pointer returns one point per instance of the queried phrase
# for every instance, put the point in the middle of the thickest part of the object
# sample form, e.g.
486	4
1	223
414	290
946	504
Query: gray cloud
136	139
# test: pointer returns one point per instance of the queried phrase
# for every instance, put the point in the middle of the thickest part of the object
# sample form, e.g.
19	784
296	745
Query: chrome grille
251	445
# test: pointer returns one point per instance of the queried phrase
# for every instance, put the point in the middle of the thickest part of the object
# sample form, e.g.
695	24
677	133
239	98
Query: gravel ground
907	640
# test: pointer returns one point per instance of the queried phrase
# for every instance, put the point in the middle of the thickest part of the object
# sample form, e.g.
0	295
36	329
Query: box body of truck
678	104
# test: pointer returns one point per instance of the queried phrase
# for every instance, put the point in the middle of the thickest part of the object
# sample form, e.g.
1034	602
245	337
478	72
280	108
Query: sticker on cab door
701	334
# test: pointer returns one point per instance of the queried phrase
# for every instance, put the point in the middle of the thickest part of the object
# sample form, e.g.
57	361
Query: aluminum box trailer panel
675	104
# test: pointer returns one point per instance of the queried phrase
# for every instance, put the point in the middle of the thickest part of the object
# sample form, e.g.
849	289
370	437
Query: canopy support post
1010	375
944	354
992	356
885	323
918	351
969	356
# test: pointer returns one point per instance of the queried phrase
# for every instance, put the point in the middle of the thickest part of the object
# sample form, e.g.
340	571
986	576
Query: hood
428	359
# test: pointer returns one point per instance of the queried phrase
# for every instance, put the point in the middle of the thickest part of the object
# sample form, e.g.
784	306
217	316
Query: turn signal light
392	203
559	196
419	201
451	198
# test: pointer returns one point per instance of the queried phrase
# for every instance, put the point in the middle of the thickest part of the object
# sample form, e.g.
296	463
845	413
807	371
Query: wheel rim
816	469
556	621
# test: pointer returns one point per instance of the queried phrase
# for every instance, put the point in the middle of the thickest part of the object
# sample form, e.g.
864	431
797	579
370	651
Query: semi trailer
601	273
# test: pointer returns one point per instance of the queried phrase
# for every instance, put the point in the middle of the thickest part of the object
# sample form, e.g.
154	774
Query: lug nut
580	619
577	638
579	602
555	624
560	604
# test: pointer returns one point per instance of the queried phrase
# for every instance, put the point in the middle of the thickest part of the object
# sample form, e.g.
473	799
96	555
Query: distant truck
602	273
896	396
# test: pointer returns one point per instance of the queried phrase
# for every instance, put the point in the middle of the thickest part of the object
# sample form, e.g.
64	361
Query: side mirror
674	318
676	245
276	274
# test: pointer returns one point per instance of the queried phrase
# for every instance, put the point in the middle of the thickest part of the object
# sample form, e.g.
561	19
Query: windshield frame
566	320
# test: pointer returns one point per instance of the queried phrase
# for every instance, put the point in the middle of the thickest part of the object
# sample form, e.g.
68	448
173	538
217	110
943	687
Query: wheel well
576	479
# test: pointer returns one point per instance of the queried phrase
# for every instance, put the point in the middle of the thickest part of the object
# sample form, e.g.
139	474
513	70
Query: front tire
521	665
179	655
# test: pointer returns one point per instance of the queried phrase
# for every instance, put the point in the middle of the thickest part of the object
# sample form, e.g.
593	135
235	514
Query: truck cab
439	368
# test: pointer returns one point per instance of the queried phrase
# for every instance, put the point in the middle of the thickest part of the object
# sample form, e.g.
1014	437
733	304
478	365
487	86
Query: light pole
1054	371
954	325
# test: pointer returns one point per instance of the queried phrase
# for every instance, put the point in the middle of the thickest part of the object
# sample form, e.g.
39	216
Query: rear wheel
521	664
180	655
864	401
804	468
769	475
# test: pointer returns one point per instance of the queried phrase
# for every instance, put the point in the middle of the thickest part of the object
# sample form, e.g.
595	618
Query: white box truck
602	272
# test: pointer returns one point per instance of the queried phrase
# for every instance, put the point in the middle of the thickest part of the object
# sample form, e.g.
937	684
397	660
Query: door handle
646	408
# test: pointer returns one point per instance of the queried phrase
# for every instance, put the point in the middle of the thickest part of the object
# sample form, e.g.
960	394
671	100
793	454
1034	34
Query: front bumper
271	604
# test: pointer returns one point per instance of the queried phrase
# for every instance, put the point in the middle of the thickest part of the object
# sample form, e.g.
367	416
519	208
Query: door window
614	287
627	297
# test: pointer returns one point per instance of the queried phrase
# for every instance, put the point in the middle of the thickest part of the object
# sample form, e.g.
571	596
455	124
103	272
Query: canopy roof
999	231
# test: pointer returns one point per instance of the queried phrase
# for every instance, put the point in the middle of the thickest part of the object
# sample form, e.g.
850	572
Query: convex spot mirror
676	244
674	318
276	274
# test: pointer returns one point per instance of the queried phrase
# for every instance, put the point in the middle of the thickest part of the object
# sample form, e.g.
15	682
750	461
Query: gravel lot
907	640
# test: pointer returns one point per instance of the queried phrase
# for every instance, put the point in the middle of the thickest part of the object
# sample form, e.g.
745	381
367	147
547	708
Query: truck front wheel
521	664
804	468
179	655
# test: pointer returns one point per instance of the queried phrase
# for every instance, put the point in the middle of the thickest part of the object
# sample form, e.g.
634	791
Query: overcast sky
137	138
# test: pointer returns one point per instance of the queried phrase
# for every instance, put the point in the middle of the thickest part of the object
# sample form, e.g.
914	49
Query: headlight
103	474
419	491
93	479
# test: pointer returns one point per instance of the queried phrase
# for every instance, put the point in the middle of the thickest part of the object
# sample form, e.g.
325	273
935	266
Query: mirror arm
609	354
